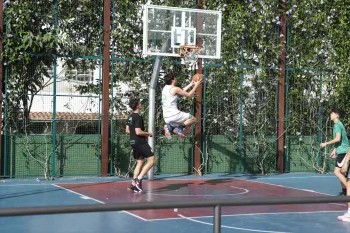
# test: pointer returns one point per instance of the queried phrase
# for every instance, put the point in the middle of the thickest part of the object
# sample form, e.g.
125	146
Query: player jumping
175	119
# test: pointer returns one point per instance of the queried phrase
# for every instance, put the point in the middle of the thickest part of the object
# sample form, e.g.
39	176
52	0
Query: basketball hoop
190	53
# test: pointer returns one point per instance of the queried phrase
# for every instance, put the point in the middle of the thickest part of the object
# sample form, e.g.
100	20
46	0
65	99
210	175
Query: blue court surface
320	218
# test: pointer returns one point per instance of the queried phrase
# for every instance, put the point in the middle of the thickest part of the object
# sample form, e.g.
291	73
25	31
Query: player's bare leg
340	176
167	131
185	128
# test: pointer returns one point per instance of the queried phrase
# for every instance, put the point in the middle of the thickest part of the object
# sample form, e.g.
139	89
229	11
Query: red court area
176	190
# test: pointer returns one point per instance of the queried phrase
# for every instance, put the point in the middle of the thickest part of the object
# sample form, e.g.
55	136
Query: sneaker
179	132
167	130
345	217
342	193
131	187
138	184
134	189
137	190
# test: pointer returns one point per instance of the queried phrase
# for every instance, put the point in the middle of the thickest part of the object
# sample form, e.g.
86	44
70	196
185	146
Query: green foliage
26	33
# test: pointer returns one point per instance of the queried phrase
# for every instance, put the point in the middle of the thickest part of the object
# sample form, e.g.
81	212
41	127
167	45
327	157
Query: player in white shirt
175	119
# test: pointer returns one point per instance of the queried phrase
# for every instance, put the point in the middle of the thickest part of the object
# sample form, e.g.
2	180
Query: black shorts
339	161
141	150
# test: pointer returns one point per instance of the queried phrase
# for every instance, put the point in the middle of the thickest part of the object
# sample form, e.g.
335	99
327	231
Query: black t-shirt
136	121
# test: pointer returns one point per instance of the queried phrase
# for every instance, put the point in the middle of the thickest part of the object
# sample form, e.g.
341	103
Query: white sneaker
345	217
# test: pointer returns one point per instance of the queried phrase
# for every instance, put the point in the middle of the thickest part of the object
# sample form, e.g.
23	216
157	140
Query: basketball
197	77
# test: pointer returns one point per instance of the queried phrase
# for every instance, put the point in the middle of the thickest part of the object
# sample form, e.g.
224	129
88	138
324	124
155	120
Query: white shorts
177	119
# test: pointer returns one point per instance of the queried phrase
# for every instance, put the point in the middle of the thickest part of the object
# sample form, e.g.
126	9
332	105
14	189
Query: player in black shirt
138	141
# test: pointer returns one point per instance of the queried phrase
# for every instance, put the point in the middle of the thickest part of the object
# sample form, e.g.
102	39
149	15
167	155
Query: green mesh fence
31	155
222	120
259	119
308	121
240	120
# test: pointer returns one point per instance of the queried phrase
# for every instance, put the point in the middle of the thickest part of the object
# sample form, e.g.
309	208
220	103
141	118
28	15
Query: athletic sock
140	177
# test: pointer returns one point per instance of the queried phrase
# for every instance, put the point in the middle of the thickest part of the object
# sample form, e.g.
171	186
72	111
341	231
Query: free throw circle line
203	195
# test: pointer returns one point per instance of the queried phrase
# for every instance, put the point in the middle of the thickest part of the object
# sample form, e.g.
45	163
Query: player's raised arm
188	86
184	93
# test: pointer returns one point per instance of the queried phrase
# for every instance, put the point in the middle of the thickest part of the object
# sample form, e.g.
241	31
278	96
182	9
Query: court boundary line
252	214
247	177
14	185
230	227
101	202
43	184
204	195
81	195
296	177
305	190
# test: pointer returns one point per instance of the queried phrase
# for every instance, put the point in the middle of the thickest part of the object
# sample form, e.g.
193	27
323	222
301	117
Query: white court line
238	215
136	216
306	190
203	195
240	178
18	185
81	195
296	177
237	228
8	185
72	183
87	197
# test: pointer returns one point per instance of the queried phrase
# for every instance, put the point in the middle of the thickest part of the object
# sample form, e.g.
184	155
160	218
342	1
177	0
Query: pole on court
152	101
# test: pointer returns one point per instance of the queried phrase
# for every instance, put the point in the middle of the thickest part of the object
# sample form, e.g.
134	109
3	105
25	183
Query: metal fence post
320	125
152	101
217	219
105	87
1	79
54	101
241	79
204	118
281	92
5	103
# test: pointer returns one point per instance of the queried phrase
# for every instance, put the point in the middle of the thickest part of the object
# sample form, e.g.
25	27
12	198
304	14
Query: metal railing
217	204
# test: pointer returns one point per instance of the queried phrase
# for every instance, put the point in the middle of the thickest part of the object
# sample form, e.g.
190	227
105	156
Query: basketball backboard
184	26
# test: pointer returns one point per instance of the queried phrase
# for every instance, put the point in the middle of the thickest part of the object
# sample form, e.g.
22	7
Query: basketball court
191	34
279	218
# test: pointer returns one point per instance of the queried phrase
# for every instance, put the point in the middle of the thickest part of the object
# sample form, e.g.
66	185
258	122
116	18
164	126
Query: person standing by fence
341	146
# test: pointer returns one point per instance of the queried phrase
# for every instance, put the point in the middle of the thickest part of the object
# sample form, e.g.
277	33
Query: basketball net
190	53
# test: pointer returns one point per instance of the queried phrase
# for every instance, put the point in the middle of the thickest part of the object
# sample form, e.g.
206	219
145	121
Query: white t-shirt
169	102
